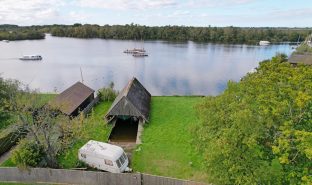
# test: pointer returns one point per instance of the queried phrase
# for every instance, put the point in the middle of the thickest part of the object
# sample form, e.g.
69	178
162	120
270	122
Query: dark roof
70	99
301	58
133	100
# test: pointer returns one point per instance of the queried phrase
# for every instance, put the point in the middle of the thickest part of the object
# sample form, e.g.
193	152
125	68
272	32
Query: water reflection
171	68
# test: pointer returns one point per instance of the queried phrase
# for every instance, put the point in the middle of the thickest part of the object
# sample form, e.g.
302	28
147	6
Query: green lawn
167	148
96	129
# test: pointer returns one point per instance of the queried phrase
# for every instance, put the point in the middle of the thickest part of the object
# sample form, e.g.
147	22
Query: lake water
170	69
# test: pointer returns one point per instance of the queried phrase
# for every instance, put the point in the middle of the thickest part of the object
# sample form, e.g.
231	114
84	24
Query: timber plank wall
61	176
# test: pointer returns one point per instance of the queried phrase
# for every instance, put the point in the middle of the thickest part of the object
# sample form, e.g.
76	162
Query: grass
43	99
167	149
8	163
95	128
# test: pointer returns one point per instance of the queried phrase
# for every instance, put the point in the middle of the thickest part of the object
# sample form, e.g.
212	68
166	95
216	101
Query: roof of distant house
70	99
300	58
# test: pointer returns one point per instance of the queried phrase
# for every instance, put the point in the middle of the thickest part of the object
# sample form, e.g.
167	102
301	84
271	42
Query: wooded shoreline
223	35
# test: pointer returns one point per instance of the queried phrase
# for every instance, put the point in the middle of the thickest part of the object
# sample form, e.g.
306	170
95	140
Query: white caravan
104	156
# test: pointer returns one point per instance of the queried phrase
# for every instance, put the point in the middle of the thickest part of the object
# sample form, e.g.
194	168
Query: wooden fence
61	176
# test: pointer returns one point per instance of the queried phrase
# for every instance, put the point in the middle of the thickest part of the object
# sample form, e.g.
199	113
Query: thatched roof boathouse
129	112
133	101
74	99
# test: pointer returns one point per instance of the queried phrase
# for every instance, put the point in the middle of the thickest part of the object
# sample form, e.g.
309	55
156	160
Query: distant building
74	99
300	58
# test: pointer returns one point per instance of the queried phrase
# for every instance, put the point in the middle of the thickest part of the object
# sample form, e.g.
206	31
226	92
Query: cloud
126	4
21	11
215	3
79	16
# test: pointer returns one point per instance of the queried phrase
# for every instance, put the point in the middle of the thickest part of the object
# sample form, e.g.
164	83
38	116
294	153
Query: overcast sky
289	13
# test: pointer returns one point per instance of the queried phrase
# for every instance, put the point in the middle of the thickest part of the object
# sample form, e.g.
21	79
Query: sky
244	13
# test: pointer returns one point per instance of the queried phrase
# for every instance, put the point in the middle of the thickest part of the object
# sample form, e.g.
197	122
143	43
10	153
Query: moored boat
140	54
31	57
134	50
264	43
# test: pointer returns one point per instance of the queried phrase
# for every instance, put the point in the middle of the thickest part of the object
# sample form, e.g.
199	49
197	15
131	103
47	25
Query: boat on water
264	43
31	57
7	41
140	54
134	50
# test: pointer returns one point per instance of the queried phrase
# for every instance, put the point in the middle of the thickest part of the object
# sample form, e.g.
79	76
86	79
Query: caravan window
83	155
108	162
118	163
122	160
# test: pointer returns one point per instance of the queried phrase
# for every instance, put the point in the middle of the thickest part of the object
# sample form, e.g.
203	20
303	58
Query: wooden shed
301	58
74	99
129	112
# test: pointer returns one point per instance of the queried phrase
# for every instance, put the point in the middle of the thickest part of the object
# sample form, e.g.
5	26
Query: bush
28	154
107	93
259	131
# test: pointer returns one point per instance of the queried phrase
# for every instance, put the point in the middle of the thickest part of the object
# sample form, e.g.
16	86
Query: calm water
170	69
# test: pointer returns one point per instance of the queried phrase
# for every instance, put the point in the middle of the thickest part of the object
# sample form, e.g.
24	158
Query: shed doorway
125	130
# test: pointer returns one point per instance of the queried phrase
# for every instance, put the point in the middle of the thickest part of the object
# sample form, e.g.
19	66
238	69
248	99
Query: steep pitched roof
70	99
133	100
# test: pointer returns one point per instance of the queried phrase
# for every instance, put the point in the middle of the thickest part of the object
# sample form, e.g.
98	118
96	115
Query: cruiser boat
135	50
264	43
31	57
7	41
140	54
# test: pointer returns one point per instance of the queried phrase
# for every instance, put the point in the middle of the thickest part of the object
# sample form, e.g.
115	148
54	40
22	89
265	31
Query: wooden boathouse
74	99
129	112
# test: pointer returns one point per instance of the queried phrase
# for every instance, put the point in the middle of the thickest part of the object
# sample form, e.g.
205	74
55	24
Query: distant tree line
14	32
226	35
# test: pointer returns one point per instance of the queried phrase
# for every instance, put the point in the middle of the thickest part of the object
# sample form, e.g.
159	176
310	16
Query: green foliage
94	127
28	154
8	91
50	131
8	163
304	49
9	137
20	33
259	131
232	35
107	94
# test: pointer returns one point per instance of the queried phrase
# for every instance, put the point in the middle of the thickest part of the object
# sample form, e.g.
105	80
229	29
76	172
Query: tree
259	131
48	132
8	91
107	93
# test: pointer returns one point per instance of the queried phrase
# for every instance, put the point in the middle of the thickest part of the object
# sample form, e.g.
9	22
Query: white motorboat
264	43
31	57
